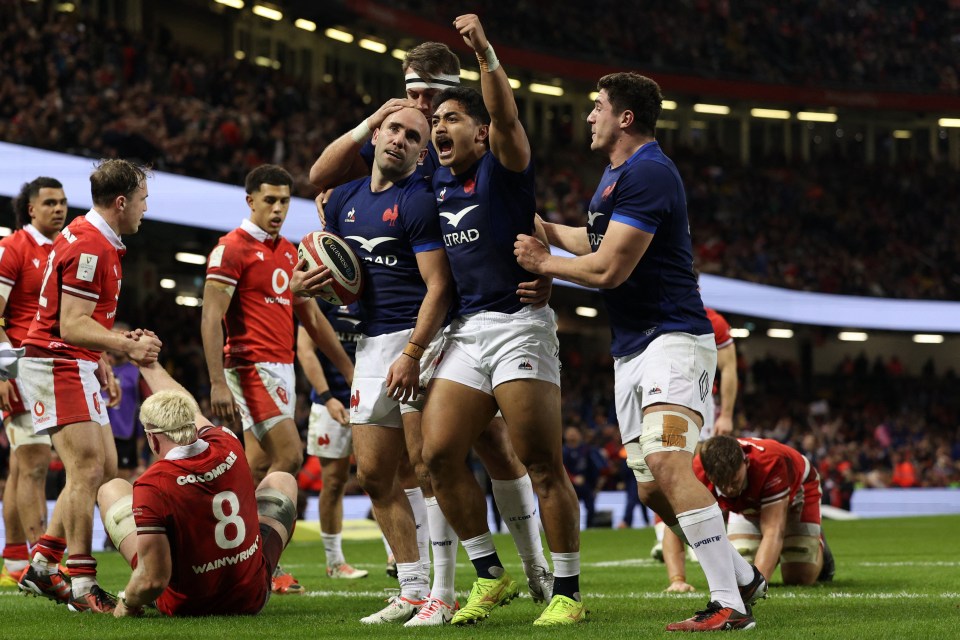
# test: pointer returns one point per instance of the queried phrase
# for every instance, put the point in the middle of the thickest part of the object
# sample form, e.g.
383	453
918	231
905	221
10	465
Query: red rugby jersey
260	316
23	259
201	496
84	262
774	472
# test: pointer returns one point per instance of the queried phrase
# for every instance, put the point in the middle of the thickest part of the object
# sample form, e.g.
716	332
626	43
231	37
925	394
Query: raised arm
508	140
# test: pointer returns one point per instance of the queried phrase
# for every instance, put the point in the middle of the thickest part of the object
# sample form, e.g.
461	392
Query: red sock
82	565
51	548
16	552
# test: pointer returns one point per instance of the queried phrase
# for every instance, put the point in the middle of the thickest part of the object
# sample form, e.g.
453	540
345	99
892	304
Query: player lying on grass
772	494
200	539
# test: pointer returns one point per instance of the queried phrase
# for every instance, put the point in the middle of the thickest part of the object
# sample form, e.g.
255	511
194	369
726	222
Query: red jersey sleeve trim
7	281
775	498
80	292
216	276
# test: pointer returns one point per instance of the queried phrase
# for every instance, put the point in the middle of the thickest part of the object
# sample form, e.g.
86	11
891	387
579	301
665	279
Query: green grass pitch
896	578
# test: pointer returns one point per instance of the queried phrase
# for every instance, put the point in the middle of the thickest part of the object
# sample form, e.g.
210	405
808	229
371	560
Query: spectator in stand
584	464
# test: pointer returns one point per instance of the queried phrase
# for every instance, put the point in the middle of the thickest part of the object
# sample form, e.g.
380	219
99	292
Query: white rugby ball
326	249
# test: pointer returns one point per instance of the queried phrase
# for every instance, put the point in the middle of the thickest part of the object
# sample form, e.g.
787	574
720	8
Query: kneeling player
772	494
201	541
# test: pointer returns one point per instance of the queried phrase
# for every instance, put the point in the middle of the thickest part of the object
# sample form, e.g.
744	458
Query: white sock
15	565
480	546
43	566
443	541
743	568
81	585
333	548
659	528
415	496
414	581
707	535
518	508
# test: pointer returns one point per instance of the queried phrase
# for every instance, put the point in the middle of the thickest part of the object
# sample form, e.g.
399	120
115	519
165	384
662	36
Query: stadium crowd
866	44
809	226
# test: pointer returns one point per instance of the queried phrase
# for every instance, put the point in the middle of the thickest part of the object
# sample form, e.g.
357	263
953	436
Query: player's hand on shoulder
472	31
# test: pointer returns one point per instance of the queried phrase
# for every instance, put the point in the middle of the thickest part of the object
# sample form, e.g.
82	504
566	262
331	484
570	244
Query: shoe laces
712	609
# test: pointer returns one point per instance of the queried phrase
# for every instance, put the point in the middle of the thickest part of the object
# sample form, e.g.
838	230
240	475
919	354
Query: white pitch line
931	563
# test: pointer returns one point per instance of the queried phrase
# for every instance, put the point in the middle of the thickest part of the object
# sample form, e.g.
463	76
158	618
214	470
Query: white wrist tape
360	133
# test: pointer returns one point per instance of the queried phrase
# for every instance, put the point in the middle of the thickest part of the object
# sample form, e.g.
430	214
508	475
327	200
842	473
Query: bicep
622	248
216	299
434	267
72	308
510	145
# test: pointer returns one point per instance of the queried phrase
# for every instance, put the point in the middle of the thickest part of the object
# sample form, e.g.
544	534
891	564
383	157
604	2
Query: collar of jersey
37	236
643	150
255	231
195	448
101	225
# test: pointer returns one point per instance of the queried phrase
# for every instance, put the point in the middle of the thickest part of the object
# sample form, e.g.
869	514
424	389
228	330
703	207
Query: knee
110	492
280	481
423	475
289	461
334	485
374	484
545	475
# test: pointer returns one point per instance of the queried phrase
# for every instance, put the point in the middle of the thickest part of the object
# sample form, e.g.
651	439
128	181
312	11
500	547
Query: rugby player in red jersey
77	307
772	494
200	538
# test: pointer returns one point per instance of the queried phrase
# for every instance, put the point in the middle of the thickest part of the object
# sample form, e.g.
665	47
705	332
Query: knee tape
800	549
668	431
274	504
118	520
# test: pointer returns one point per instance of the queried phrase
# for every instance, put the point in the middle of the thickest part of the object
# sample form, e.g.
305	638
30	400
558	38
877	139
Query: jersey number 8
224	520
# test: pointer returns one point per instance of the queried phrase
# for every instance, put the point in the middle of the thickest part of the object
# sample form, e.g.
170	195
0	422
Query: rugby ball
320	248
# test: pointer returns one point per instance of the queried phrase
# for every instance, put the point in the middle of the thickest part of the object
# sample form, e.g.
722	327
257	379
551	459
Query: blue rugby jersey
661	294
386	230
481	213
345	321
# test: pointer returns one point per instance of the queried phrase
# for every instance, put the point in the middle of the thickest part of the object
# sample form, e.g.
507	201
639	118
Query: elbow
610	279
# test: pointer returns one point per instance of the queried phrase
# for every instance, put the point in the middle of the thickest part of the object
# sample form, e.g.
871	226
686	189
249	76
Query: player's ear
423	155
483	132
250	200
626	119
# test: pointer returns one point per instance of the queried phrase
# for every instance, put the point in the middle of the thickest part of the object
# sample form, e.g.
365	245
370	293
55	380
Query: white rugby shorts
486	349
20	432
61	392
369	403
265	392
327	438
676	368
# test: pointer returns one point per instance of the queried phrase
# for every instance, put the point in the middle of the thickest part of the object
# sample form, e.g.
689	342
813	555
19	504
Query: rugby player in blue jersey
390	220
636	249
428	69
501	352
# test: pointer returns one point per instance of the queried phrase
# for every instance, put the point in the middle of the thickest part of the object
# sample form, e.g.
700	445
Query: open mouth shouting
444	147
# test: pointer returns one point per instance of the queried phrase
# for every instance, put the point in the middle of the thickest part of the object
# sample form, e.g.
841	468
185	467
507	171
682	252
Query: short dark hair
629	91
721	457
113	178
471	99
29	191
431	59
267	174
